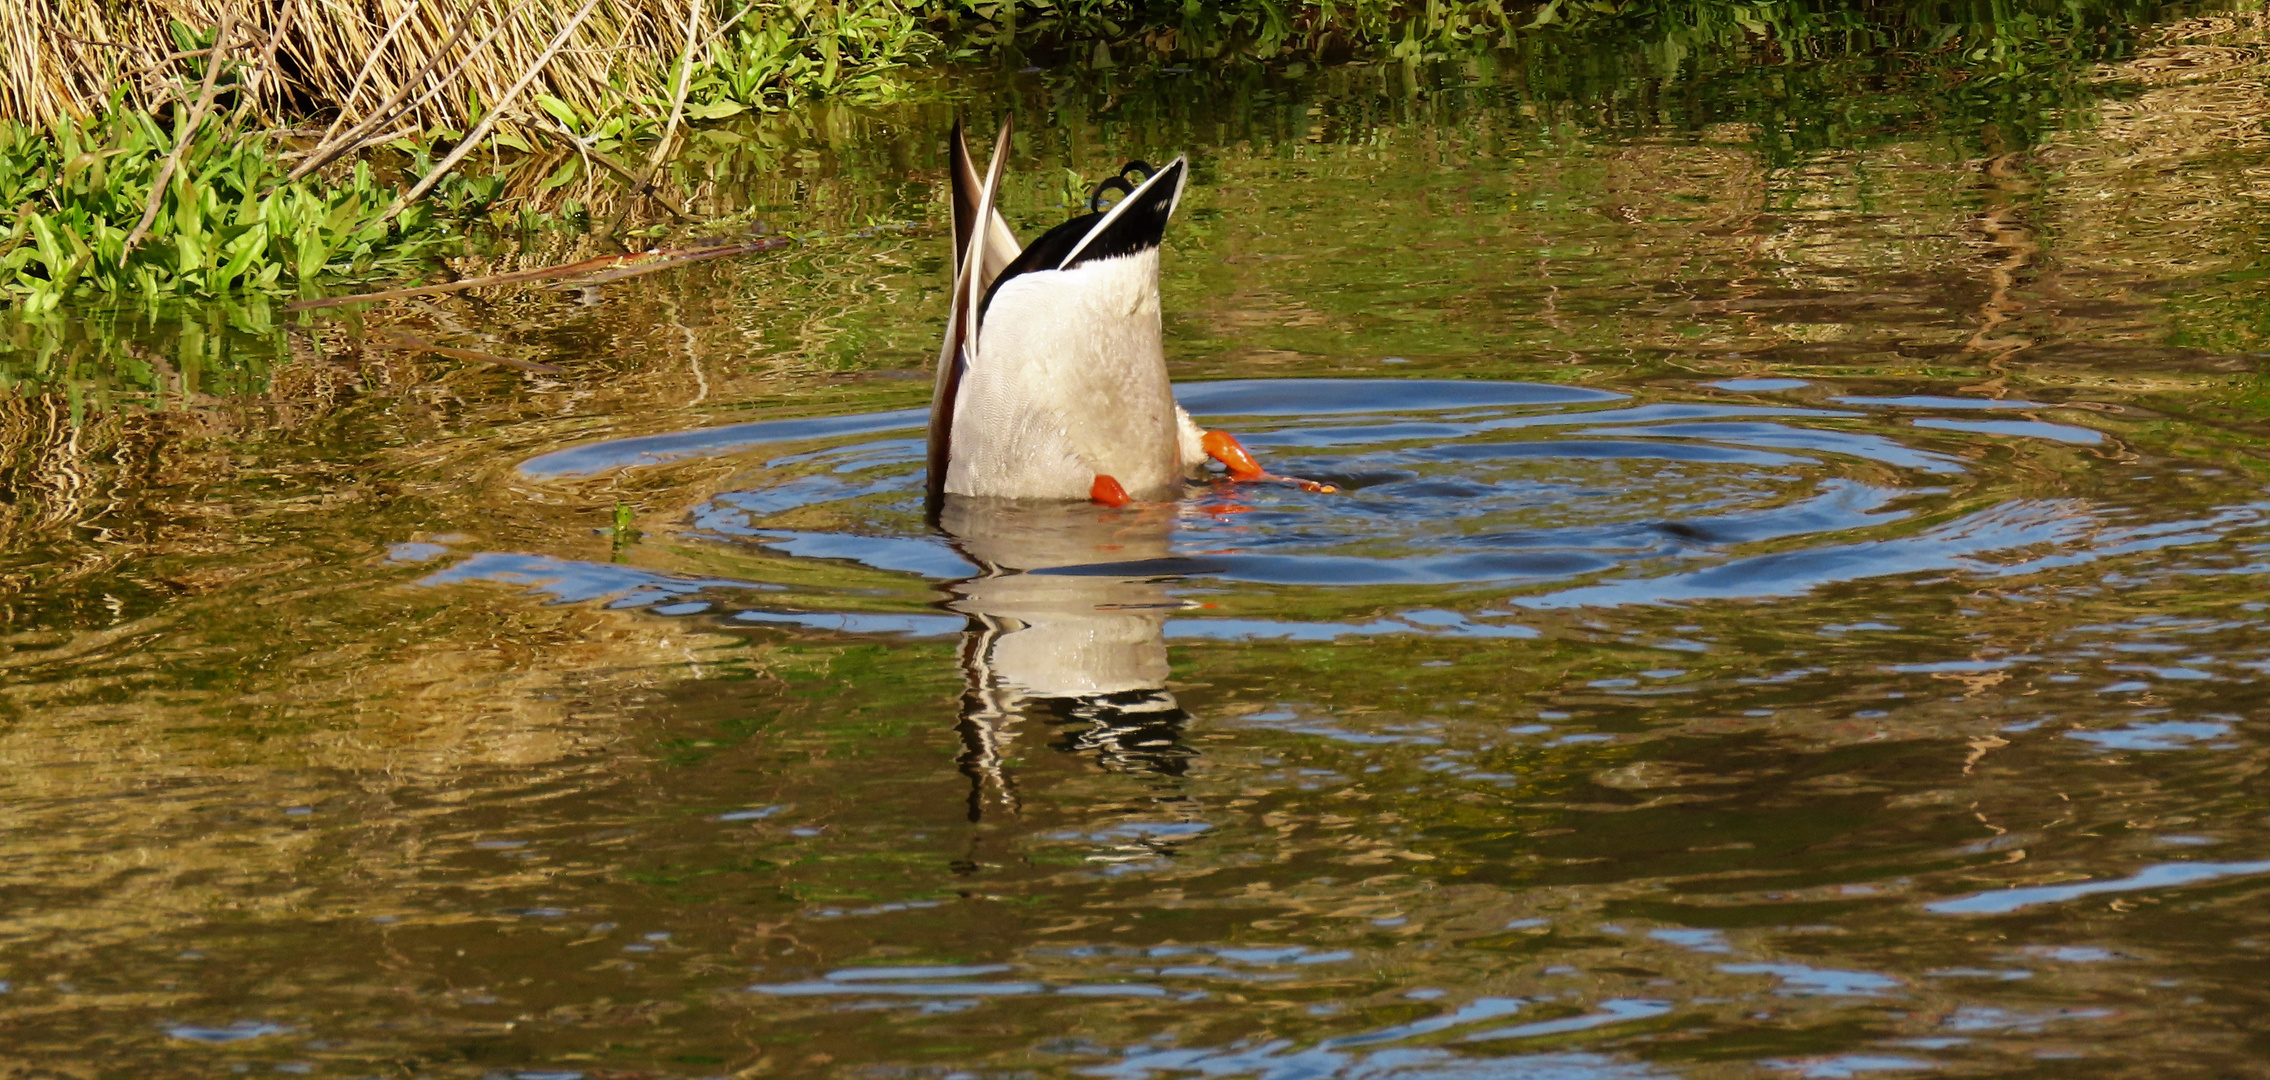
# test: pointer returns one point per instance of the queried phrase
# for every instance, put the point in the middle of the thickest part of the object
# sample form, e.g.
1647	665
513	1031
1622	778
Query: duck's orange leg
1108	492
1224	447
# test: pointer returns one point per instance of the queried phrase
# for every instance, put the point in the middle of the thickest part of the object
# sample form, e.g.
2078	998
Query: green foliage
782	52
1257	28
225	222
1995	39
228	224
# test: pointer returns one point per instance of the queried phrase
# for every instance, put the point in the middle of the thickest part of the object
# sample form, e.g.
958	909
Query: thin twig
375	140
677	96
182	138
89	41
730	23
333	146
497	111
257	80
574	143
166	59
645	182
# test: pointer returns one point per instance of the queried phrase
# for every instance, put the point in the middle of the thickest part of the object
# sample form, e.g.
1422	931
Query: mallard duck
1052	382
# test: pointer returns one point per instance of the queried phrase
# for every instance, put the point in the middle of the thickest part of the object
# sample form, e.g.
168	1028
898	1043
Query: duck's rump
1069	383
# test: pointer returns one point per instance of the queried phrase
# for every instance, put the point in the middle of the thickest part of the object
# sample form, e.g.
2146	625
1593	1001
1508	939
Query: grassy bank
154	148
280	146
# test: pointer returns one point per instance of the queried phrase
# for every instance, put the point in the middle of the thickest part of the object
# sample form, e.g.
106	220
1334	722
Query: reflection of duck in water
1084	651
1052	383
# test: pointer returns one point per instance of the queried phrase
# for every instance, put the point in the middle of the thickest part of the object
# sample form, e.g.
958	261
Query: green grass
229	224
225	223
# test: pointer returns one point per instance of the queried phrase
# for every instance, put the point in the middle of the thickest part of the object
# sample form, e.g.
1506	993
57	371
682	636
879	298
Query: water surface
1796	609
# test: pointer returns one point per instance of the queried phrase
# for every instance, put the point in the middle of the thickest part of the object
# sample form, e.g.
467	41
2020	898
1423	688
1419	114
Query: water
1795	609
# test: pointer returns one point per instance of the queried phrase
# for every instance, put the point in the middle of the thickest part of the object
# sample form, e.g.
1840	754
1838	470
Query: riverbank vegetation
167	148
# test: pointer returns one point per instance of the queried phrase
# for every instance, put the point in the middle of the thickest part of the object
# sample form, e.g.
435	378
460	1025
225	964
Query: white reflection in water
1086	650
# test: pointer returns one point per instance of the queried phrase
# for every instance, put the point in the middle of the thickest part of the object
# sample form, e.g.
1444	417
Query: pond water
1795	608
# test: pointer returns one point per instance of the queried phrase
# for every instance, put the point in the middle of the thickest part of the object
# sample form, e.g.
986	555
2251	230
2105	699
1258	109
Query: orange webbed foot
1224	447
1108	492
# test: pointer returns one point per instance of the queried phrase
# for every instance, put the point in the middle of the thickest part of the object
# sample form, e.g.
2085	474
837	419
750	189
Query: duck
1052	380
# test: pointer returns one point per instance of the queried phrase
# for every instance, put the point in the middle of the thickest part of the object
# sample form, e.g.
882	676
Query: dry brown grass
440	61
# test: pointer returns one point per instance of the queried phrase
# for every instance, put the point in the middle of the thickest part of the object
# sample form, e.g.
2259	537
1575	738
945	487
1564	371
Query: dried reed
433	63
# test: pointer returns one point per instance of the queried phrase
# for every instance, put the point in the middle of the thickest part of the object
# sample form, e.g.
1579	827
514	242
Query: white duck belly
1068	383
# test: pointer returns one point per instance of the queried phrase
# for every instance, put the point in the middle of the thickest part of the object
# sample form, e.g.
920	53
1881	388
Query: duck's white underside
1068	382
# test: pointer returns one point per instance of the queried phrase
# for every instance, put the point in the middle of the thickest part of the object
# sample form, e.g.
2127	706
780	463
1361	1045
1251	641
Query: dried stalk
729	24
257	80
375	140
90	41
181	138
164	60
370	64
677	96
497	111
355	139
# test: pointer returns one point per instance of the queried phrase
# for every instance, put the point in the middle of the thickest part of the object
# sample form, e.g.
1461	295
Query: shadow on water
1794	608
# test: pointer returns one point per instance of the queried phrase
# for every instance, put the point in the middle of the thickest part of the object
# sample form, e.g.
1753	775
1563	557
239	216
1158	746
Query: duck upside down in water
1052	383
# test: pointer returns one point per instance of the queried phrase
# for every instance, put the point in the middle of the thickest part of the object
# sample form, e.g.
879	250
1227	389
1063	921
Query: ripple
2164	876
240	1031
2026	429
1447	483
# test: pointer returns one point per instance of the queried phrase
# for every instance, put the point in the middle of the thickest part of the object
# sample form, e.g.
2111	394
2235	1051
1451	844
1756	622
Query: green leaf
560	110
241	253
715	110
562	176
